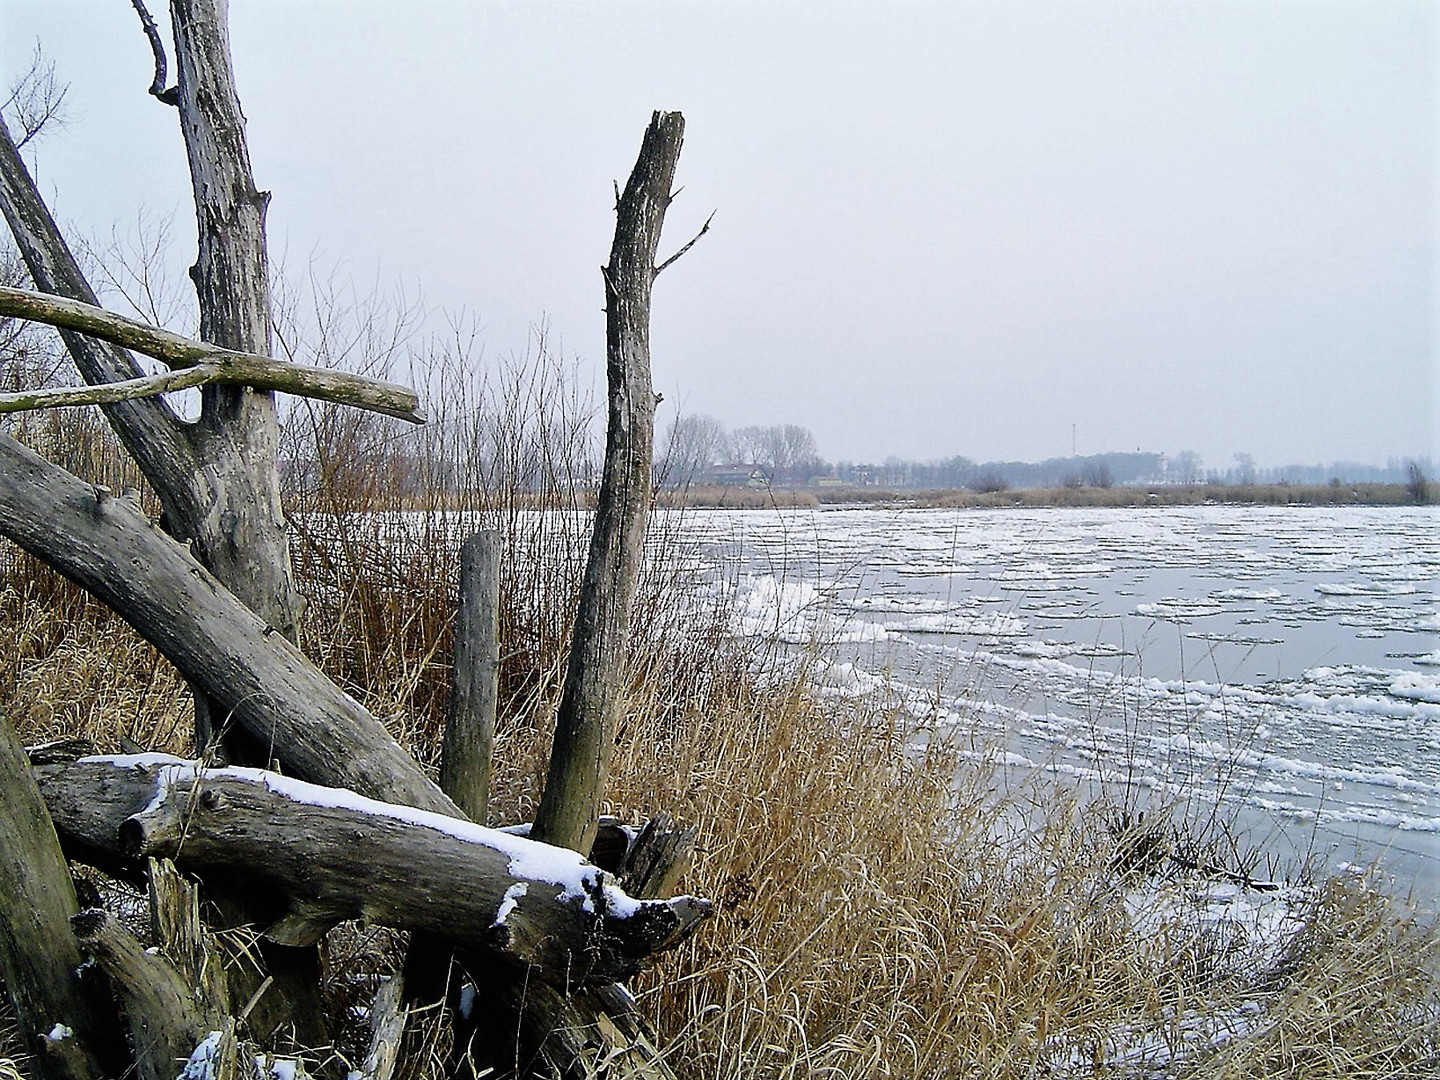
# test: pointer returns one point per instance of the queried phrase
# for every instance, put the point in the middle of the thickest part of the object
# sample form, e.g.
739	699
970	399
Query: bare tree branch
36	99
222	366
157	46
703	230
57	397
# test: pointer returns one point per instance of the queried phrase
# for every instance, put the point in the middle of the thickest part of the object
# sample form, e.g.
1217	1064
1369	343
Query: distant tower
1072	441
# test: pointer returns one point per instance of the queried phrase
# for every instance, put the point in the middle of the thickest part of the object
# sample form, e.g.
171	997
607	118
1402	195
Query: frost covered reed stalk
885	905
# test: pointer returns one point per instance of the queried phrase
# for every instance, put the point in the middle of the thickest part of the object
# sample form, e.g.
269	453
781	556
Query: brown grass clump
1356	996
74	670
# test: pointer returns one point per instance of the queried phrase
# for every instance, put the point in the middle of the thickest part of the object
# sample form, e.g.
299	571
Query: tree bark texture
167	1020
246	545
470	727
324	855
40	959
254	676
594	680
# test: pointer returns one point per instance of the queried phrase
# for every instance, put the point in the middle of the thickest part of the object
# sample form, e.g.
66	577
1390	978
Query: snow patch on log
529	859
512	899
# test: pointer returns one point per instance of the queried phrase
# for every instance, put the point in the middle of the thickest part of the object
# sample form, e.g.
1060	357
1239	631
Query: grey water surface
1278	667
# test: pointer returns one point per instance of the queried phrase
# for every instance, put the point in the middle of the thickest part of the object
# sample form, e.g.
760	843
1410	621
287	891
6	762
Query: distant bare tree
1417	484
989	483
795	454
1244	469
1187	467
787	451
693	443
748	445
1098	475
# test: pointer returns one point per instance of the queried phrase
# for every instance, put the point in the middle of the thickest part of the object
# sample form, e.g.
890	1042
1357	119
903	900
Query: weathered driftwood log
252	674
64	1023
328	854
570	1032
167	1020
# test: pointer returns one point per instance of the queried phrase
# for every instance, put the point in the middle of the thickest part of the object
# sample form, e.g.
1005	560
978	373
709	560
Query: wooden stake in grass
585	723
470	728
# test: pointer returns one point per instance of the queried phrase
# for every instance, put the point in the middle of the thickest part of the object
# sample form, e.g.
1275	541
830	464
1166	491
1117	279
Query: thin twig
703	230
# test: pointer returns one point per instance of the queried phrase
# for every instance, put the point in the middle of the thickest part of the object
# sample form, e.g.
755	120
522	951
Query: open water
1280	665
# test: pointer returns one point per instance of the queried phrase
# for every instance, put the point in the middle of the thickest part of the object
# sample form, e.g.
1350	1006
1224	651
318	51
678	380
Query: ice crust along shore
1275	662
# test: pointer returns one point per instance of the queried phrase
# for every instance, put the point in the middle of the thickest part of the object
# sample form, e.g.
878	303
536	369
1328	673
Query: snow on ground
1232	934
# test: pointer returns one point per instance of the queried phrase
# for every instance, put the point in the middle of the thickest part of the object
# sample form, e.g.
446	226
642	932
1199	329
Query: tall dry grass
885	905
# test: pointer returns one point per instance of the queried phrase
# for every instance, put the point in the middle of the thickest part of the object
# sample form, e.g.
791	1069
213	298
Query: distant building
752	476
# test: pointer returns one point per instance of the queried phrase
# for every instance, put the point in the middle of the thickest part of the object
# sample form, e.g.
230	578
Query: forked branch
200	363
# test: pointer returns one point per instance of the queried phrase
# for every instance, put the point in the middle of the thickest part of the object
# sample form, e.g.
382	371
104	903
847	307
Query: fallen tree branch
328	854
255	678
223	366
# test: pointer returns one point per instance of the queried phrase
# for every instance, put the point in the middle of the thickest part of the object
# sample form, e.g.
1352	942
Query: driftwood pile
301	812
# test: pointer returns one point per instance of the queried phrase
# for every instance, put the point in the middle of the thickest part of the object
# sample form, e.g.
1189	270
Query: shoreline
775	498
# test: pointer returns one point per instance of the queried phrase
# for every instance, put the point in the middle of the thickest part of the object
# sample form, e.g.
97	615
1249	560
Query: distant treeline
698	450
1113	470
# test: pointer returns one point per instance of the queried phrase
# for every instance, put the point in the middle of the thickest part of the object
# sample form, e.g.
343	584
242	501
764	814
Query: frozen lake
1282	664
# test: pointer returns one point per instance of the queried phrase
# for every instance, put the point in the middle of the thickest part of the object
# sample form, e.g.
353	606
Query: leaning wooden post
470	728
585	722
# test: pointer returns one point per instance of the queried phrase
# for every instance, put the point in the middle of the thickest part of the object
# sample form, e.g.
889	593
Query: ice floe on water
1417	687
987	624
1277	663
1374	588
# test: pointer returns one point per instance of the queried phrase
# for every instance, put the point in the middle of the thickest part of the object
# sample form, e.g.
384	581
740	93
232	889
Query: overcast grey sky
941	228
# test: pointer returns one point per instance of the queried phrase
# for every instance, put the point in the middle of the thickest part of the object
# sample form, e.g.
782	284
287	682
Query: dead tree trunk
594	679
255	676
246	545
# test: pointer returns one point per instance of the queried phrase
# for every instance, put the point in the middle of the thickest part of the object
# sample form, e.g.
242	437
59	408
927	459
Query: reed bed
886	906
